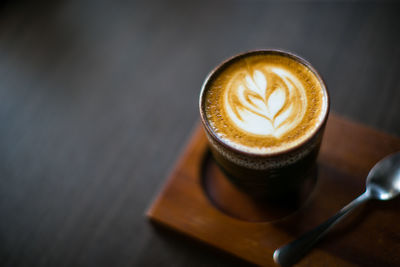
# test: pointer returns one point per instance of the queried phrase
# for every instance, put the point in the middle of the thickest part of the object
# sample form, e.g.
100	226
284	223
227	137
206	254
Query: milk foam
265	103
265	108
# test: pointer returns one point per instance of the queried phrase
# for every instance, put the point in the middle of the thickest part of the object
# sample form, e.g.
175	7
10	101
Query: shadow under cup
266	176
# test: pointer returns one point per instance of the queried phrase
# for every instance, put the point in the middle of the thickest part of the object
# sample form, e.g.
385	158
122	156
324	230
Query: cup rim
230	60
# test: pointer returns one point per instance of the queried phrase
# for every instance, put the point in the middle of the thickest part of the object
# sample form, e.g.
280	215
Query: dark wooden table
98	98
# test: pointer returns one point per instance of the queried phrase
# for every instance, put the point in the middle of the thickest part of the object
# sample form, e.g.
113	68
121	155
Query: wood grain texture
367	238
97	98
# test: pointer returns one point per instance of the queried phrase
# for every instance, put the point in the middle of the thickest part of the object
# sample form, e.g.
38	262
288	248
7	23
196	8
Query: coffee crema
264	102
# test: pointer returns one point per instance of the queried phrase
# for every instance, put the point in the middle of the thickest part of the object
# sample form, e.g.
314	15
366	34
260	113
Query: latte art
268	101
264	102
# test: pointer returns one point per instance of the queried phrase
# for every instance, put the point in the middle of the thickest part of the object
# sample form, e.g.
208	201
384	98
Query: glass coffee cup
264	113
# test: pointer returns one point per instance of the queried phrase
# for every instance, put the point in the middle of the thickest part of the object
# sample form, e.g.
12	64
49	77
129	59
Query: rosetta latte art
267	101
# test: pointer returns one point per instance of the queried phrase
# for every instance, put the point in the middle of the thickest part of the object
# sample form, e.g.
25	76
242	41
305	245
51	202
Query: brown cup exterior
269	175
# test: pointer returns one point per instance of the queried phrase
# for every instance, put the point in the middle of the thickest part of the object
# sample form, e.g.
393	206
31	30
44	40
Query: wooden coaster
198	201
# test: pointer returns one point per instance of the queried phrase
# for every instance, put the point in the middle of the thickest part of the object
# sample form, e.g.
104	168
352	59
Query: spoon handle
292	252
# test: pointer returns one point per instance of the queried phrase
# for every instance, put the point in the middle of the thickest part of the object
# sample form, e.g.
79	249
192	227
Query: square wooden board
369	237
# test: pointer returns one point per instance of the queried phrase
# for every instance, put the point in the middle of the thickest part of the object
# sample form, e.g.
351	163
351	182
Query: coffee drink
264	103
264	113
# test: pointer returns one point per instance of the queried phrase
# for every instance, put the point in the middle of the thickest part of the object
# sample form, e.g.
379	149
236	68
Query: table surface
98	98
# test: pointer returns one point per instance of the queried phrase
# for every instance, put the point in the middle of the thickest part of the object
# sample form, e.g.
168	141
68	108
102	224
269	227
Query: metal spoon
383	183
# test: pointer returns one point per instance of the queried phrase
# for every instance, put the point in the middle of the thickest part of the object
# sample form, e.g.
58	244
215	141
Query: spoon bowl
383	181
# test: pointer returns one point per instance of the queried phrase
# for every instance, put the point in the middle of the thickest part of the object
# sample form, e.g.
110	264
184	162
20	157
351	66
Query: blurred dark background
98	98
